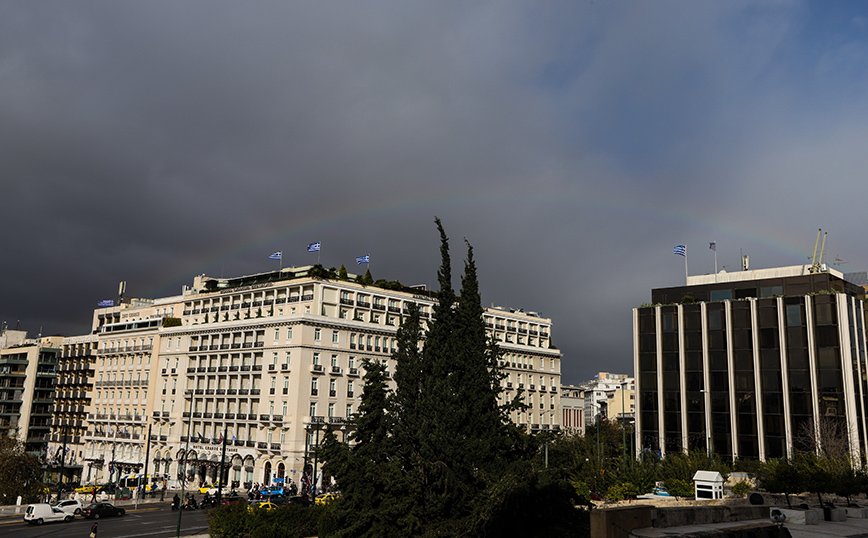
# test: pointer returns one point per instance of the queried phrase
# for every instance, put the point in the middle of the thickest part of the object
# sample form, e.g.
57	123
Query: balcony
222	368
347	302
233	368
261	444
277	418
314	392
197	414
230	416
263	418
337	420
238	442
241	416
272	367
245	367
275	446
336	369
354	371
316	368
208	415
251	444
243	392
284	367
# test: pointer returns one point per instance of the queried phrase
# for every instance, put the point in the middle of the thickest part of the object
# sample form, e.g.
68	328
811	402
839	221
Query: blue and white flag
713	246
681	250
276	256
363	259
313	247
106	302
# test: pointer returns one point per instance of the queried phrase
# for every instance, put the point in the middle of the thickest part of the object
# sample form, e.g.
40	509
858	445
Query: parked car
87	489
98	510
38	514
70	506
325	498
300	499
274	490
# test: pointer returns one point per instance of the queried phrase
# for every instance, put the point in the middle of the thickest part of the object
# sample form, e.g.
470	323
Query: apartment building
269	361
746	363
27	377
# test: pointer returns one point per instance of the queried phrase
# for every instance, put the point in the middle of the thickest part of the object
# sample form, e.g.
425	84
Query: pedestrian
93	530
93	500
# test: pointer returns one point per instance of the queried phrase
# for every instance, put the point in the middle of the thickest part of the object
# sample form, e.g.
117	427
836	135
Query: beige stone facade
271	360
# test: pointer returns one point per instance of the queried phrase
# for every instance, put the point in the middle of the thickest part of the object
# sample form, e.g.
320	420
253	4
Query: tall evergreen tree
366	470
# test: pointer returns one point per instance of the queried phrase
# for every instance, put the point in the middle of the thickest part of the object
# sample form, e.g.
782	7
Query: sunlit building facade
268	362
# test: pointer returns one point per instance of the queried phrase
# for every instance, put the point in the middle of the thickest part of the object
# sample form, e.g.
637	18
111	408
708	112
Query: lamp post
706	402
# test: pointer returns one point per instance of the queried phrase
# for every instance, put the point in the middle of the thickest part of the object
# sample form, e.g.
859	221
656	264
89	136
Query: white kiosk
708	485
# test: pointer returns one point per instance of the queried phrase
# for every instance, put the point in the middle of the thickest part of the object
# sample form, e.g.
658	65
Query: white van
41	513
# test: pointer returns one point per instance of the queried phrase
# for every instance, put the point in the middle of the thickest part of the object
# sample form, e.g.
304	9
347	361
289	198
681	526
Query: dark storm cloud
572	144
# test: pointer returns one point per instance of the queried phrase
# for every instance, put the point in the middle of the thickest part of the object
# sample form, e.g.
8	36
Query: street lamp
706	404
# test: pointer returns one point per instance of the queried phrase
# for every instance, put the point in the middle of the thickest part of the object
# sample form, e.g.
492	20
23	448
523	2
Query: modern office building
749	364
269	361
27	377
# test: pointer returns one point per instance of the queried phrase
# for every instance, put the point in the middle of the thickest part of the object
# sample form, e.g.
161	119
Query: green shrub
289	521
679	488
741	488
624	490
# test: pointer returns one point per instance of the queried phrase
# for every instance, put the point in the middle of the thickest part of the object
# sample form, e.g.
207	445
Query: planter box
857	513
800	517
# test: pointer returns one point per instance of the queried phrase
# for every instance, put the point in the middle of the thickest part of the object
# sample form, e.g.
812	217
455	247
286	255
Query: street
153	521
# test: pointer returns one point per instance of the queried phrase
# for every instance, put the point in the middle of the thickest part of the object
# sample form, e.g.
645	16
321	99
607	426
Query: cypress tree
365	470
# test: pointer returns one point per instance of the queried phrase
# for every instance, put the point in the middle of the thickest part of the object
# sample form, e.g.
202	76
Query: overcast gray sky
574	144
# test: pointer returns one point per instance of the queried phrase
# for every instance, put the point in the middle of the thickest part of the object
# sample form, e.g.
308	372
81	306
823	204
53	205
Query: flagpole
685	265
715	257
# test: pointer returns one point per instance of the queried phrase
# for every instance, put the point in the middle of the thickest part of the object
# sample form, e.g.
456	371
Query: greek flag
276	256
313	247
106	302
681	250
363	259
713	246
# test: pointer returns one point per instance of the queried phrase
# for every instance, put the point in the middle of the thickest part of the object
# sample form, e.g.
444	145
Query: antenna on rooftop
838	262
817	263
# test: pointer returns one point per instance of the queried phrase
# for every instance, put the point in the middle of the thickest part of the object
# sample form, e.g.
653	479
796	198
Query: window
334	360
276	335
352	362
349	410
289	331
286	357
314	383
333	385
316	358
317	334
349	387
312	409
334	337
331	409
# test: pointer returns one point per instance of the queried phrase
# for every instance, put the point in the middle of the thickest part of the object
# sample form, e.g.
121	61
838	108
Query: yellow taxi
87	488
265	505
325	498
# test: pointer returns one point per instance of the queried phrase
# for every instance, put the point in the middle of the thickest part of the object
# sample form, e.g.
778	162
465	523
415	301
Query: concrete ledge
811	516
618	522
835	514
699	515
857	513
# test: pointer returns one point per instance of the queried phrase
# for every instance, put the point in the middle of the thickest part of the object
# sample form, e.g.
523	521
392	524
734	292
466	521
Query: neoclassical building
269	361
